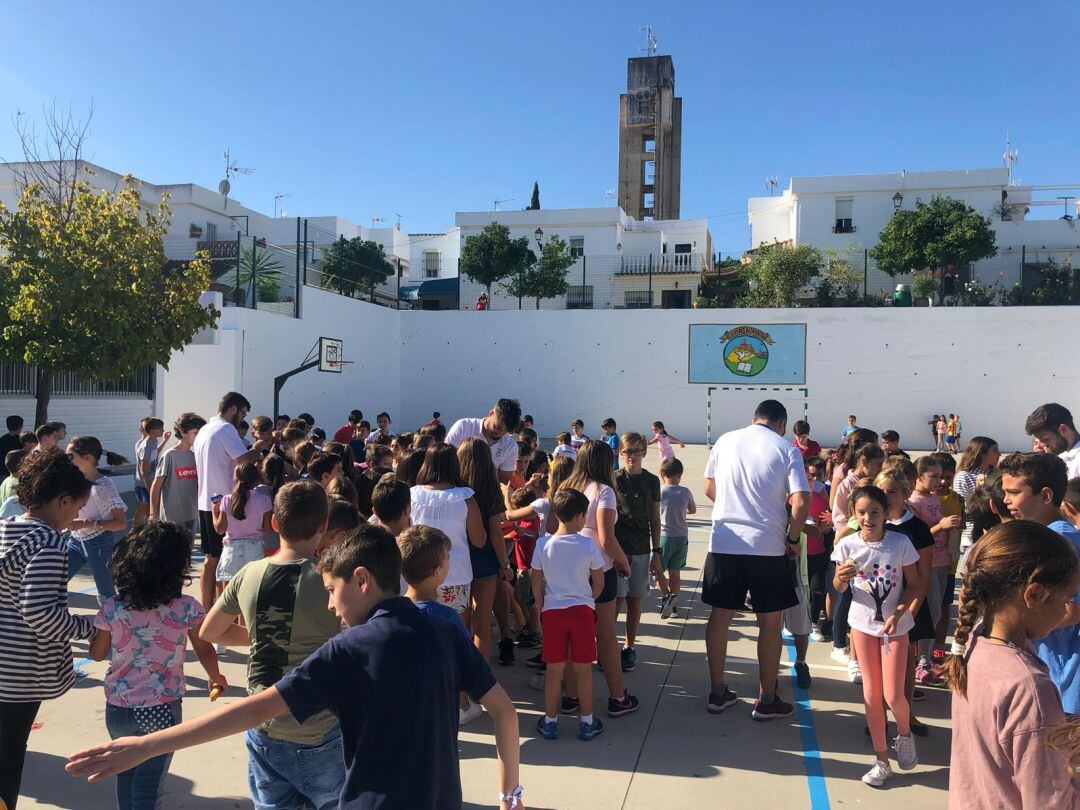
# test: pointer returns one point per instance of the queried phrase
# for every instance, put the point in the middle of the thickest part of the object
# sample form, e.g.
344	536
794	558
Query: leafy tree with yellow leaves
85	286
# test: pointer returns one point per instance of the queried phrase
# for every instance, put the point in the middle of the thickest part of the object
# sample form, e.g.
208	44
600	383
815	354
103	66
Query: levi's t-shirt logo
186	473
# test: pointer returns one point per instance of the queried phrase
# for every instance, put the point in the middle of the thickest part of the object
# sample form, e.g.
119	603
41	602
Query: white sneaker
816	635
667	606
839	655
876	776
906	758
221	649
854	671
469	714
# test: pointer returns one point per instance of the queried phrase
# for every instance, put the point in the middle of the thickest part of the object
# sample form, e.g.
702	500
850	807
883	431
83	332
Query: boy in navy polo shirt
392	680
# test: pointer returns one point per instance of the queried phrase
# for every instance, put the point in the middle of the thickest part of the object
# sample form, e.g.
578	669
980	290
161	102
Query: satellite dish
610	194
224	187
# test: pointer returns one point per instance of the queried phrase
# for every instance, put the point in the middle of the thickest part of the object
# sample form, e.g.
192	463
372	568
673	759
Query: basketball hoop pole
279	381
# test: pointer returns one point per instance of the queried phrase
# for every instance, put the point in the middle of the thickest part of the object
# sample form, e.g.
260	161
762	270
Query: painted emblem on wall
746	350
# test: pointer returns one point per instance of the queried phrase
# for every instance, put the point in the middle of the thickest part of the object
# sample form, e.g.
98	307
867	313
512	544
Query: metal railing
20	379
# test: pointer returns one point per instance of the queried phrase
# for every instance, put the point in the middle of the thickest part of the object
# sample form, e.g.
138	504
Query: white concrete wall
257	346
113	420
892	368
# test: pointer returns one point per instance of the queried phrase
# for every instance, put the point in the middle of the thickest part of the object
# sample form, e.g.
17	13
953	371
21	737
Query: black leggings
817	570
16	720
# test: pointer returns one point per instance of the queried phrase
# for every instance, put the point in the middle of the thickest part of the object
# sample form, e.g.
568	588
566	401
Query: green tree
85	286
778	273
546	276
938	235
491	256
843	272
534	204
350	265
267	271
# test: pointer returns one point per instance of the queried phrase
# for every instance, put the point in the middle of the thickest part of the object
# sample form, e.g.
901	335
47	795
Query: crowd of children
425	540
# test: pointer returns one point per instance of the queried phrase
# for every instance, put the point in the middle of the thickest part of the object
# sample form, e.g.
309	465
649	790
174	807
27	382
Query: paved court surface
671	754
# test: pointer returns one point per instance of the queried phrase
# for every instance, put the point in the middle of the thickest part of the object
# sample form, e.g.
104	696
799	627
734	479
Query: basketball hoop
330	359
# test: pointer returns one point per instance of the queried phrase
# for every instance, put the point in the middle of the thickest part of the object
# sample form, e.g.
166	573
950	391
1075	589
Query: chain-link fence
248	271
376	281
667	281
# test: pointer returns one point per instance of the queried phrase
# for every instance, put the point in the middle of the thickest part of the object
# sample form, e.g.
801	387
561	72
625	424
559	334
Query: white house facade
851	210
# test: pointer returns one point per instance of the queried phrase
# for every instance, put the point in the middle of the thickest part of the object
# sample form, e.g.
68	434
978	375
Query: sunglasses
633	453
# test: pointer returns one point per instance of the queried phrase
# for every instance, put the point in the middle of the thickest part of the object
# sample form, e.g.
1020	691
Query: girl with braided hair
1020	584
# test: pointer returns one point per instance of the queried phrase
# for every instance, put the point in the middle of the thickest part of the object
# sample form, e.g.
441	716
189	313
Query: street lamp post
539	234
897	201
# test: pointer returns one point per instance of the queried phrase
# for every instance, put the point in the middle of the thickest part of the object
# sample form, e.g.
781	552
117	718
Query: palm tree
266	269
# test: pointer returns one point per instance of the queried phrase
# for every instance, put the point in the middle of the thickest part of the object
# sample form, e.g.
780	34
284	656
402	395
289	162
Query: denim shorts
285	775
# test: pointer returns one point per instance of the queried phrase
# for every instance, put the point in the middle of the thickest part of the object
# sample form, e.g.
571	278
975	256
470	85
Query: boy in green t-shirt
638	532
286	618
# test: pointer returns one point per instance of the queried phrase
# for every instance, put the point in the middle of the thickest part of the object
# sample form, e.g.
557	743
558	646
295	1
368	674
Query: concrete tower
650	140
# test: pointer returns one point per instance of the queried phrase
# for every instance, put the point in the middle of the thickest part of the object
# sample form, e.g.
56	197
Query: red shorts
571	629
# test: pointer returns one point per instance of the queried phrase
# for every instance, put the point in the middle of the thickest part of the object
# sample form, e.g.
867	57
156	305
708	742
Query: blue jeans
284	775
140	788
95	551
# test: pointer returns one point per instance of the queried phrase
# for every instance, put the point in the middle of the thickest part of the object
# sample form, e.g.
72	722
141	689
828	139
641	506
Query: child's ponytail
966	617
1005	561
247	478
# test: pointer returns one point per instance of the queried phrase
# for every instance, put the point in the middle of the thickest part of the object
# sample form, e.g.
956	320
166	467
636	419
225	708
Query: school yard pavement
671	754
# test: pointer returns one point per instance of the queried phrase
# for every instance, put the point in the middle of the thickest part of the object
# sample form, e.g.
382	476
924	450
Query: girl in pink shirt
1020	582
663	439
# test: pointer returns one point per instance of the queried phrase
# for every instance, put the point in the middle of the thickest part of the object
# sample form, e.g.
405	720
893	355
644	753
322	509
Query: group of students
902	534
466	523
422	539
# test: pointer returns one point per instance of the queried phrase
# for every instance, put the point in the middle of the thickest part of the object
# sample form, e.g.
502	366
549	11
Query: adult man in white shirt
497	430
1052	428
750	475
218	449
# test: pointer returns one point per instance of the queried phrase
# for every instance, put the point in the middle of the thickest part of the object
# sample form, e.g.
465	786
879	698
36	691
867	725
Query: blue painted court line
815	771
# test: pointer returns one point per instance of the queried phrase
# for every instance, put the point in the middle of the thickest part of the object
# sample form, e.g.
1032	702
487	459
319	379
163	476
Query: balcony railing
660	264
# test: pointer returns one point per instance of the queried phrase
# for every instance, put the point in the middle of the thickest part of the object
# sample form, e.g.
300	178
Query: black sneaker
802	675
506	652
919	729
527	639
629	659
777	710
717	703
623	706
918	694
537	661
570	705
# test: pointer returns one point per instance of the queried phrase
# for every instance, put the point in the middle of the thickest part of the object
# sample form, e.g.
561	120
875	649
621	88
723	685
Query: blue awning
430	289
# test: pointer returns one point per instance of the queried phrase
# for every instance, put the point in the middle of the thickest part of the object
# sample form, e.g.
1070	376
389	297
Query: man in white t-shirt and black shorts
497	429
218	448
750	475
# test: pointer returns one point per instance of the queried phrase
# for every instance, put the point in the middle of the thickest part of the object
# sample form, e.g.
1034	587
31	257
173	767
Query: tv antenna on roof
651	45
1011	157
499	202
225	186
772	184
375	220
277	199
610	194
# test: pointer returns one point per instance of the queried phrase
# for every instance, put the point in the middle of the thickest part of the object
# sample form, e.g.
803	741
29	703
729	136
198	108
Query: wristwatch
791	542
657	551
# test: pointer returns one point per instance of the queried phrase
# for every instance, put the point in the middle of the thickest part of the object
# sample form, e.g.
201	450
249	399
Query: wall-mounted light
897	201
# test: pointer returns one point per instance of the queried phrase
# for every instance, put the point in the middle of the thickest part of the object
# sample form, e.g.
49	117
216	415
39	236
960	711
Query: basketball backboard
330	358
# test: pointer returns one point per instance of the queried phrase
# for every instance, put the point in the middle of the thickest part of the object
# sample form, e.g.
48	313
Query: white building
845	210
621	262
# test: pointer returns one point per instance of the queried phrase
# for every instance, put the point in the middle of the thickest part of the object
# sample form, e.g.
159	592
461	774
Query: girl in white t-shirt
94	531
875	564
594	475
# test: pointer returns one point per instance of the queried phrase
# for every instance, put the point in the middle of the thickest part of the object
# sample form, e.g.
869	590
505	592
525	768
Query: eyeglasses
633	453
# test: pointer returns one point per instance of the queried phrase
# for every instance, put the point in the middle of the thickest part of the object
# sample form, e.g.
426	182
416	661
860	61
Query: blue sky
423	109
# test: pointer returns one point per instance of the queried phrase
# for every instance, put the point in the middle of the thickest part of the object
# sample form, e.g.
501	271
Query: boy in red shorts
564	566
